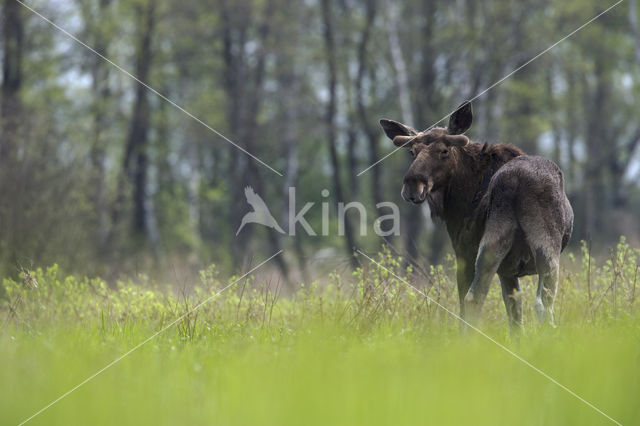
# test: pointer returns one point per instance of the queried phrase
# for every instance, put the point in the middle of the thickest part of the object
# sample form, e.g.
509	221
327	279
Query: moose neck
462	206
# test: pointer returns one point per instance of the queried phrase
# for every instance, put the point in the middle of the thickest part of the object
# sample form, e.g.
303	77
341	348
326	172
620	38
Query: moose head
433	151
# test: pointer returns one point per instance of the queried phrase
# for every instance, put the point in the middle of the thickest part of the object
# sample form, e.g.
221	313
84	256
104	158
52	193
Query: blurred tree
11	106
136	157
99	30
86	154
330	118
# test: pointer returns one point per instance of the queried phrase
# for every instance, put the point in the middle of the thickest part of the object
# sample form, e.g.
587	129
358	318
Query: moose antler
456	140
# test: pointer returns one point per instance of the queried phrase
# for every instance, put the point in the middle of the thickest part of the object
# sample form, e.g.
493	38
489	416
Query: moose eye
444	151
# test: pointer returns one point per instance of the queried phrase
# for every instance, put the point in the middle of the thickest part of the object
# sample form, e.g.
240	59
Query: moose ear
461	119
393	129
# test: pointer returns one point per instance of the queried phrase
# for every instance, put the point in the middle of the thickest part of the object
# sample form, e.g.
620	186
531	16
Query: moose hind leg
513	303
548	266
495	245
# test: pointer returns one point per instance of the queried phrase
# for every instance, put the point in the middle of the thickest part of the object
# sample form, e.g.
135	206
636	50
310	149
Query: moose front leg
464	276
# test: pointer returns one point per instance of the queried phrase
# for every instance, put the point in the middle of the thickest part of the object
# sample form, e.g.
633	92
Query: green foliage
359	349
381	295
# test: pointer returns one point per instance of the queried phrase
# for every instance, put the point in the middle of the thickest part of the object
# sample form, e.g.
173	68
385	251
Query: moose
505	212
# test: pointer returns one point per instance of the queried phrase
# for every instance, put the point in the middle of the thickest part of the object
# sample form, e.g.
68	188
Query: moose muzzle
414	191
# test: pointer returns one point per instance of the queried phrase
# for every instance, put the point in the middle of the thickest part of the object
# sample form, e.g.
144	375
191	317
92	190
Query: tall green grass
364	349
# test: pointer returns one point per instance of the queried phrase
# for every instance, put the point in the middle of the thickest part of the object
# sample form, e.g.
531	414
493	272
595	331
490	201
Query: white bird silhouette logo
260	213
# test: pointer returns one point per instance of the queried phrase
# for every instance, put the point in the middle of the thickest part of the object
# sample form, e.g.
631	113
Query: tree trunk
352	158
10	124
597	104
553	117
11	105
233	74
572	123
102	96
289	83
330	51
399	64
412	220
136	159
370	132
635	33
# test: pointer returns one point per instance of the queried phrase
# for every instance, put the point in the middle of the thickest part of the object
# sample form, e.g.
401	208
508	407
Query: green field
363	349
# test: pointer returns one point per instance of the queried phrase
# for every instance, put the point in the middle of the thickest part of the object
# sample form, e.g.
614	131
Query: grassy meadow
362	349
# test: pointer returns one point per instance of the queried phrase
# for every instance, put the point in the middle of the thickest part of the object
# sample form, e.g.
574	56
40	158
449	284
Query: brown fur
505	212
